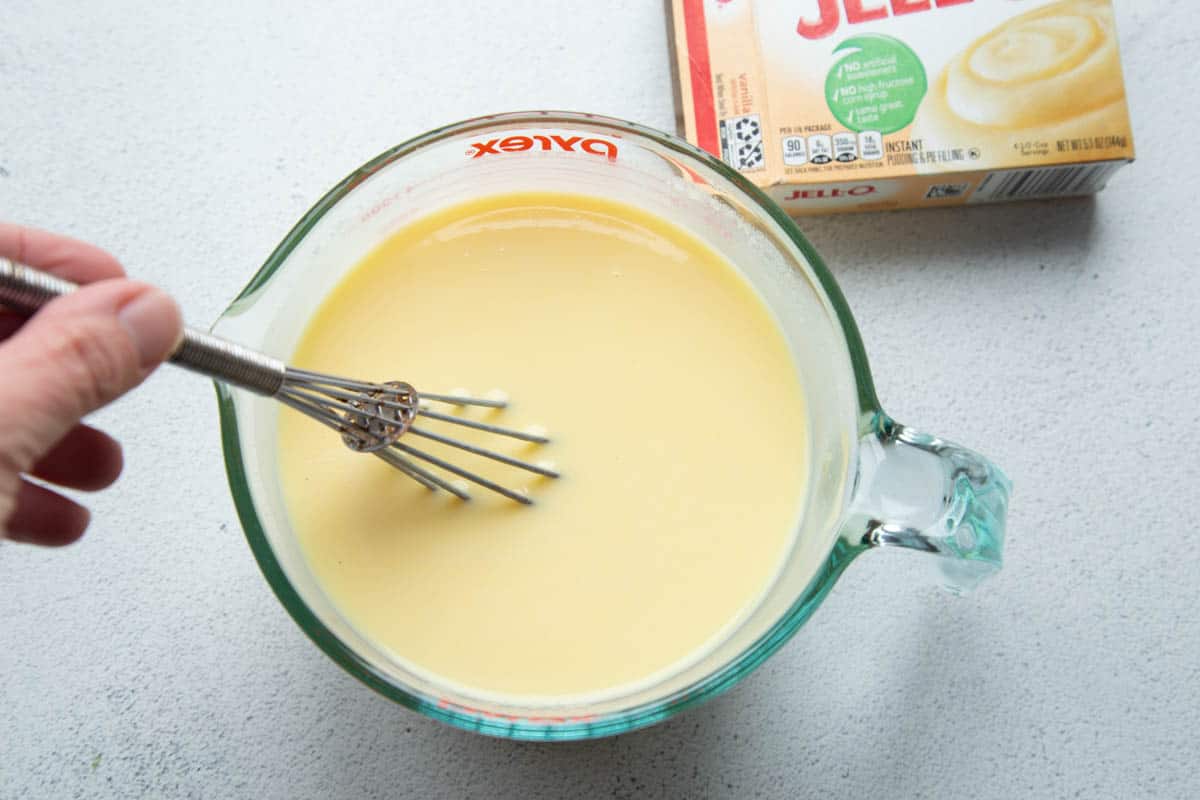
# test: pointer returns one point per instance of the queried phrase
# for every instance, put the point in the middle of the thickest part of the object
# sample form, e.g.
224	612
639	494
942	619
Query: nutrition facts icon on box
845	147
870	145
742	142
795	152
820	149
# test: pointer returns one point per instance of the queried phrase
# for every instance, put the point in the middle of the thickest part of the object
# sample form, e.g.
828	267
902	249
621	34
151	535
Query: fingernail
152	319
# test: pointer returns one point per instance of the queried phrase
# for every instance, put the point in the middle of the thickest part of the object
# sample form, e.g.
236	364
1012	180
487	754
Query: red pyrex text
517	144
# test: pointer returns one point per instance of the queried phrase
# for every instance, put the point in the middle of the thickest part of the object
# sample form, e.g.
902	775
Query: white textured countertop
1058	338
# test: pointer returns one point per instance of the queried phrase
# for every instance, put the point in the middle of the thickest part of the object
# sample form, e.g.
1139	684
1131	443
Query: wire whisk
376	418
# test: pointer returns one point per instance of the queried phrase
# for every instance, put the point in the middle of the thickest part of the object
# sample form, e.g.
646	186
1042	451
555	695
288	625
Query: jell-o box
859	105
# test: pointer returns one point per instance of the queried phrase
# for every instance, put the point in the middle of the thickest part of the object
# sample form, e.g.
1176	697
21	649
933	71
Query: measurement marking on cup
449	705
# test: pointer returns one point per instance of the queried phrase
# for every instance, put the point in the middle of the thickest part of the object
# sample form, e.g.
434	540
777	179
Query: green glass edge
841	555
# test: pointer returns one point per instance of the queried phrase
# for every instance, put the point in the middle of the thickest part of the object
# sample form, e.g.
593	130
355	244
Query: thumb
76	354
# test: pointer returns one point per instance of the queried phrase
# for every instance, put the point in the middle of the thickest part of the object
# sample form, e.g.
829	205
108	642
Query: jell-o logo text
829	13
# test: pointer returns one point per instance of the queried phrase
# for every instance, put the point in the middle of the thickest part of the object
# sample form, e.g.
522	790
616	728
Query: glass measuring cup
873	484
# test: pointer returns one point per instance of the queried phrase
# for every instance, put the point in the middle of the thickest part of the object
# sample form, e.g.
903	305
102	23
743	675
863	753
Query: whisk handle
24	289
230	362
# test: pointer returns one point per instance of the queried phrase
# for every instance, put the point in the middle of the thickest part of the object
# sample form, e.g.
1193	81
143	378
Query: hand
75	355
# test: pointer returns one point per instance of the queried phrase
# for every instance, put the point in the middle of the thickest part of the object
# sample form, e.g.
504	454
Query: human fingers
45	517
85	458
68	258
76	354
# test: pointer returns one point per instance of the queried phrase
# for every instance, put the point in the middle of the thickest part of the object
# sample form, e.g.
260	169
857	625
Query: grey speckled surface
152	660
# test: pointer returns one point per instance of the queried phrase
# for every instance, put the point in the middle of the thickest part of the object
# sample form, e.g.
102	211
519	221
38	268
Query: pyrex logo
567	144
830	193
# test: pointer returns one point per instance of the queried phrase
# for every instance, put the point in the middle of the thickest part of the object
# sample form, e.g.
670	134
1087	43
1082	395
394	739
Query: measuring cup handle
922	493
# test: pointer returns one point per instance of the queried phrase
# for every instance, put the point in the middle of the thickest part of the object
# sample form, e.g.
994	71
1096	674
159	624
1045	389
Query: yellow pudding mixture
678	423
